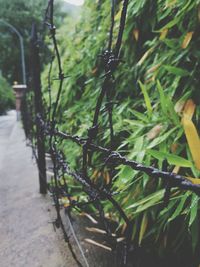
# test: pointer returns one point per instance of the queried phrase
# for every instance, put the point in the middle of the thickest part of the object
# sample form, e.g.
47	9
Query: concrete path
27	238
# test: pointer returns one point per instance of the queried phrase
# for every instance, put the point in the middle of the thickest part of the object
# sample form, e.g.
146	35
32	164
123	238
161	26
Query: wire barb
48	123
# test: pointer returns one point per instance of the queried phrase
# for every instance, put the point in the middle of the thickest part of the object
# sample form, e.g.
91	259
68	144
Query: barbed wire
112	158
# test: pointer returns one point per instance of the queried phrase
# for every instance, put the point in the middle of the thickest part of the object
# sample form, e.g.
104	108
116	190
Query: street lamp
21	48
19	89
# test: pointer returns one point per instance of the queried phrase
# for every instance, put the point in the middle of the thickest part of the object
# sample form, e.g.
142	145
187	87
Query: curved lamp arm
21	48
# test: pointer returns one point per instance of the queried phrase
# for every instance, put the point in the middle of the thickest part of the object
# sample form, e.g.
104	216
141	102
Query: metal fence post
36	83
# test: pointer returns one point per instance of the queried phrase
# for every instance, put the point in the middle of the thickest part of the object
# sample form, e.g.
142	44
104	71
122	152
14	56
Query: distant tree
21	14
6	96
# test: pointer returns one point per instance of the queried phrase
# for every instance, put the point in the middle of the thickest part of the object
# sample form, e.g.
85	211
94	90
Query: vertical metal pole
22	60
21	48
36	82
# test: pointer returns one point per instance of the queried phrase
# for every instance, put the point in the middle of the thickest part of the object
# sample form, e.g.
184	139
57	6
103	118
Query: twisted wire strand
61	167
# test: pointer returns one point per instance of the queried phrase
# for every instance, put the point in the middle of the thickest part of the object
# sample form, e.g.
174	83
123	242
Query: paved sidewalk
26	237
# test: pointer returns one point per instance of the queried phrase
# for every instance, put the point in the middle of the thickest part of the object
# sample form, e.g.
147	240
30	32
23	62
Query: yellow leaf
66	205
187	40
163	34
126	199
174	147
192	139
106	177
189	109
154	132
118	15
170	3
191	132
65	201
176	169
193	180
124	226
136	34
144	57
94	71
143	227
179	106
95	174
152	69
152	79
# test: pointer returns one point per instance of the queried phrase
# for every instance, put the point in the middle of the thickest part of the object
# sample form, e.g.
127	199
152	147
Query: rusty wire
96	194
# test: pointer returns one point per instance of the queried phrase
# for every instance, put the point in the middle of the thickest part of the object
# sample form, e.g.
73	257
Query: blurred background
16	18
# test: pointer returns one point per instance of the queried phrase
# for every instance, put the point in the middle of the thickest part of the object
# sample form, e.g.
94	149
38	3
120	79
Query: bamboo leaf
145	56
167	105
154	132
143	227
187	39
193	209
193	140
172	159
189	109
160	139
193	180
179	208
146	98
162	97
140	116
147	202
163	34
170	24
136	34
176	71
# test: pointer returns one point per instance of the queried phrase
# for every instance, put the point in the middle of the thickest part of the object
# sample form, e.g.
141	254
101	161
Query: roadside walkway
27	239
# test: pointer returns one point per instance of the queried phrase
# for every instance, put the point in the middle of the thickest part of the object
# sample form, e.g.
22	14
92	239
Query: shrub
6	96
157	83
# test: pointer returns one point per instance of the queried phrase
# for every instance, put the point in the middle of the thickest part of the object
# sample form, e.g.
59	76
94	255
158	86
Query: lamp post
21	48
19	89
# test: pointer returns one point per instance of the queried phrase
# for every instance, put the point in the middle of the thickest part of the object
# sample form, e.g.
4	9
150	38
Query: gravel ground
27	238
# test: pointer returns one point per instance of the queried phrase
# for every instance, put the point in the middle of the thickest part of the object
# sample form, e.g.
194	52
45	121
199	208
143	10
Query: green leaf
124	177
176	71
172	159
146	98
143	227
140	116
162	97
161	138
171	43
170	24
193	209
167	105
179	208
147	202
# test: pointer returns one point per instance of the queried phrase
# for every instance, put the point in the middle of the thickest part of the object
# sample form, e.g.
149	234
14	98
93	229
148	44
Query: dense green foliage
6	96
161	71
21	14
